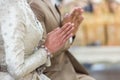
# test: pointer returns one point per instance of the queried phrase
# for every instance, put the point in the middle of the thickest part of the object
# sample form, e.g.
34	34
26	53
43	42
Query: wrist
49	54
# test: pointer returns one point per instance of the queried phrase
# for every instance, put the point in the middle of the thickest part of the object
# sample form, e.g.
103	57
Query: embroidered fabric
21	33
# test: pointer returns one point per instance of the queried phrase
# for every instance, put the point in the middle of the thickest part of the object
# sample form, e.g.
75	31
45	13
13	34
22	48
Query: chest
52	17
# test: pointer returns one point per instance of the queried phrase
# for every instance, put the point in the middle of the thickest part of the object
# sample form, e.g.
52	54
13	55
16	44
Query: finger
60	31
67	29
66	15
78	22
73	13
77	13
68	33
56	29
65	25
68	37
66	19
80	10
53	31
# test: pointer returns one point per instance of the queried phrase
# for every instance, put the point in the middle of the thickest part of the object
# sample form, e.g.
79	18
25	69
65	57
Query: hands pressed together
58	37
74	17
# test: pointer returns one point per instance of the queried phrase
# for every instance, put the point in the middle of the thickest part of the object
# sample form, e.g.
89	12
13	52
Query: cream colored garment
21	33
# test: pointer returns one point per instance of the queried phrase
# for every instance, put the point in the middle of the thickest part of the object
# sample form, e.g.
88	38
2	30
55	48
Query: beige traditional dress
21	34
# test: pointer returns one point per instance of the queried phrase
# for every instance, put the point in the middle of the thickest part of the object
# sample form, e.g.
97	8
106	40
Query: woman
22	33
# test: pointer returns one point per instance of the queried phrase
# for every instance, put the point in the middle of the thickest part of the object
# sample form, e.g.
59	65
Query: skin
58	37
74	17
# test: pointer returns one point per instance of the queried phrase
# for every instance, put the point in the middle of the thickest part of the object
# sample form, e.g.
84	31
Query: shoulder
38	4
11	12
38	7
11	18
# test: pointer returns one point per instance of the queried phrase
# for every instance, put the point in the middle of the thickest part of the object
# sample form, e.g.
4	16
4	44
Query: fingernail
66	14
69	23
72	24
58	28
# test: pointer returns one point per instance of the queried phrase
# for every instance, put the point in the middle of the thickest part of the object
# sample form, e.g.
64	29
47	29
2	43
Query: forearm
30	64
